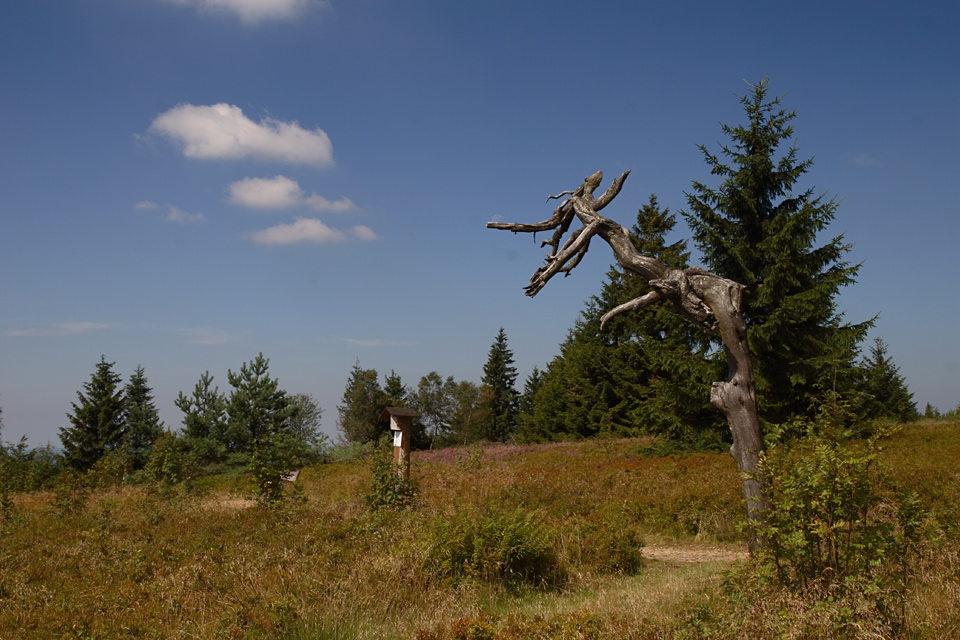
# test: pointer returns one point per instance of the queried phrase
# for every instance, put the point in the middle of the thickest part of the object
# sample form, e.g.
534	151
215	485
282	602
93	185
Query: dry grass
131	564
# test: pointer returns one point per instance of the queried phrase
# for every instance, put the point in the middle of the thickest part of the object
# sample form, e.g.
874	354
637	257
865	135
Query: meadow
591	539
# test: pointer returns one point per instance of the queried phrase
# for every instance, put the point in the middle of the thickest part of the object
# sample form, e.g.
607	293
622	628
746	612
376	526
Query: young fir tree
885	388
362	403
205	420
644	373
97	419
500	376
257	407
754	229
142	421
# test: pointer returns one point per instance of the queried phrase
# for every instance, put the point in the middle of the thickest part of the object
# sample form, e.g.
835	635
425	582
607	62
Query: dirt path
693	553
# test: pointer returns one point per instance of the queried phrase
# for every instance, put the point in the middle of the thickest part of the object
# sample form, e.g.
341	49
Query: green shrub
514	548
834	513
387	489
611	545
272	458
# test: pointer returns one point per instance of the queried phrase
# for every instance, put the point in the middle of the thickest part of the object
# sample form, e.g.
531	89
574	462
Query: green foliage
753	229
205	420
25	469
304	427
272	458
514	548
835	517
142	425
362	403
257	407
71	493
885	389
97	423
171	461
646	372
388	490
500	376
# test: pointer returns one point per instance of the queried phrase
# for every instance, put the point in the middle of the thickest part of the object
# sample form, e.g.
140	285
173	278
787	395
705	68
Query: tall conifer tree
141	418
500	376
96	420
754	229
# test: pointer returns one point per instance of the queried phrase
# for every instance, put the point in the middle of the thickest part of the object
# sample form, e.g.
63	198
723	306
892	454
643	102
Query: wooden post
400	419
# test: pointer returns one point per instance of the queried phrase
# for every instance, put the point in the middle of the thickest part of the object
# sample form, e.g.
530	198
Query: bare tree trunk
709	301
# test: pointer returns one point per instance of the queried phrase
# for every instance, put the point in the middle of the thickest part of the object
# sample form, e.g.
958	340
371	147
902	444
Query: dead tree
712	303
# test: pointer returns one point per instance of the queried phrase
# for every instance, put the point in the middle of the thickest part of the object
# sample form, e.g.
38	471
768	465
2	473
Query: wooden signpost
400	419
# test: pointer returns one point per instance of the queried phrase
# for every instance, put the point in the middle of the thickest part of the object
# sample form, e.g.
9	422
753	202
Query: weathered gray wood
712	303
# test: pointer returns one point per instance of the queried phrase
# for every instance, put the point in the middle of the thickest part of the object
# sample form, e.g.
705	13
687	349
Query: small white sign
398	438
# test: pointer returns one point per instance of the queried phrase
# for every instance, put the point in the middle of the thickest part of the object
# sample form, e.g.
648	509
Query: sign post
400	419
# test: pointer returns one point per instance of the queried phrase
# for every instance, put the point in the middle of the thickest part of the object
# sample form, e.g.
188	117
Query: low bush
514	548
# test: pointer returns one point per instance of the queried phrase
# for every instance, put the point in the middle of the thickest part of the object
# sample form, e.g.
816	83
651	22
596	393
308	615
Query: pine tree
885	388
257	407
500	376
753	229
141	419
97	419
362	403
205	420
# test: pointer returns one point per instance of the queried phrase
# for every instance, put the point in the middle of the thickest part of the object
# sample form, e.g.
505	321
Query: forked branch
712	303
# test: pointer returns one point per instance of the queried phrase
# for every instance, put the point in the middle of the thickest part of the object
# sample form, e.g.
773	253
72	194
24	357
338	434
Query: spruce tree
141	419
754	228
97	419
500	376
886	390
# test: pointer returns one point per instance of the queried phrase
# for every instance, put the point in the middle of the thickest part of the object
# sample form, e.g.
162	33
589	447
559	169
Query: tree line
639	373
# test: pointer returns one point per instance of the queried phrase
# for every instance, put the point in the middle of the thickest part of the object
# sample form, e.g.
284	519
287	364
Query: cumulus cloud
319	203
222	132
281	192
278	192
301	230
310	230
146	205
363	232
182	217
254	11
58	330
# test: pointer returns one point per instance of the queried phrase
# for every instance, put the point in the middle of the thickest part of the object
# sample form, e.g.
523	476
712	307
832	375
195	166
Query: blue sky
187	183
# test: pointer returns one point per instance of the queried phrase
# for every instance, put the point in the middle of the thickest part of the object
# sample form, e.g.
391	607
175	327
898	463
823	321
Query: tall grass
502	542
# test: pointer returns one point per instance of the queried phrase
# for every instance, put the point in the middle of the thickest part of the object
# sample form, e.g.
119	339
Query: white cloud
222	132
309	230
182	217
281	192
364	232
207	336
146	205
278	192
254	11
302	230
58	330
319	203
